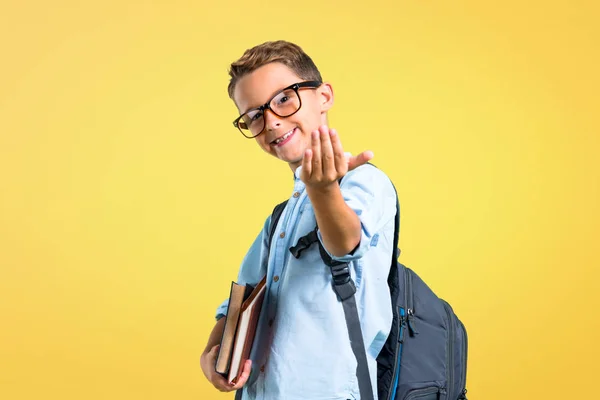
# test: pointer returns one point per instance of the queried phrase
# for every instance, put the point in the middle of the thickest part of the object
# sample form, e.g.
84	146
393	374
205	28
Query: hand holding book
207	362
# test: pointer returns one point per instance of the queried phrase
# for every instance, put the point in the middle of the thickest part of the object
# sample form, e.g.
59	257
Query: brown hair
289	54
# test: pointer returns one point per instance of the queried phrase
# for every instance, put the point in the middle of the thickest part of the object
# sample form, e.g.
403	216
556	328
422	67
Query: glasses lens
252	123
285	103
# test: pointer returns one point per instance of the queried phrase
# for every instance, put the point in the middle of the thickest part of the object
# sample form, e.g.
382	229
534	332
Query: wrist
323	190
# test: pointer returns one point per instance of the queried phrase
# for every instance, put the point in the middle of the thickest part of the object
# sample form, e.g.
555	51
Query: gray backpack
425	354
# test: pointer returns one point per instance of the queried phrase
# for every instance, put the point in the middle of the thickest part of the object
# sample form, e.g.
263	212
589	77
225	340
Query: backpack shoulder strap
275	215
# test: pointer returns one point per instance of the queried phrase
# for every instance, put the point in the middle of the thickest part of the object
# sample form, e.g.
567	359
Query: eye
282	99
253	116
256	116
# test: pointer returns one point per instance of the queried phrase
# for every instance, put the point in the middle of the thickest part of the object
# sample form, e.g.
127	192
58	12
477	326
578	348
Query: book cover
246	330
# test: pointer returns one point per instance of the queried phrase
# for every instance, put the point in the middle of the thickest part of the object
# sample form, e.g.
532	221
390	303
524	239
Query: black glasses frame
267	106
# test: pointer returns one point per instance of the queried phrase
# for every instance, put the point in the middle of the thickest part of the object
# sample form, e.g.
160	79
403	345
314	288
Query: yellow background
127	200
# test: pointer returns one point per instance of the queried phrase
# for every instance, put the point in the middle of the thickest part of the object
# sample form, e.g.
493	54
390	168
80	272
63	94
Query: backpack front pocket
427	393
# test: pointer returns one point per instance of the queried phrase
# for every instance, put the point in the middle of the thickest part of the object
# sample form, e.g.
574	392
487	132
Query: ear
325	93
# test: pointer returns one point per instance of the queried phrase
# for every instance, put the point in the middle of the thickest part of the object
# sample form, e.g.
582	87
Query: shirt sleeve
253	267
370	193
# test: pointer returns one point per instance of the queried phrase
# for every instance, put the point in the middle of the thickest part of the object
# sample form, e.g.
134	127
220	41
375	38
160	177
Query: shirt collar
297	173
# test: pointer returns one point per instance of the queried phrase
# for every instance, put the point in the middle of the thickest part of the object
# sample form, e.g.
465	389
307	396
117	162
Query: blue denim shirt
302	348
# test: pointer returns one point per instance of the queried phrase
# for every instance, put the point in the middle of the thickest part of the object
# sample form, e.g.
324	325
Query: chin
293	158
297	161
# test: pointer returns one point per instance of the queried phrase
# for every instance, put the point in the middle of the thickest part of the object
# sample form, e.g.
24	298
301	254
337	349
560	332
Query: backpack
425	354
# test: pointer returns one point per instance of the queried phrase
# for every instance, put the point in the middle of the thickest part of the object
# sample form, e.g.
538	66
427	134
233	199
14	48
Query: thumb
214	352
362	158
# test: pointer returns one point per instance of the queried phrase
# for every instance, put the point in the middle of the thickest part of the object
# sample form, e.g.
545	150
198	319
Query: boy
302	348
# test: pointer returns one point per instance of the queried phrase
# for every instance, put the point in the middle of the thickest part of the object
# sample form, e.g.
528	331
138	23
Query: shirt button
276	278
297	194
282	235
270	322
262	369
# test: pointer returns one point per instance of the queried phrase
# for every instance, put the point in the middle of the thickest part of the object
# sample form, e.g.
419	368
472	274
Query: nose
272	121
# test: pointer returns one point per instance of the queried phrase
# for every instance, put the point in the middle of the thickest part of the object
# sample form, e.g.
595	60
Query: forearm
215	335
339	225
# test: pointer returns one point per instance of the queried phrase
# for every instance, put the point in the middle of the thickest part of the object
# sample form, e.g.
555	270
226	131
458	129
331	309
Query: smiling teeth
281	139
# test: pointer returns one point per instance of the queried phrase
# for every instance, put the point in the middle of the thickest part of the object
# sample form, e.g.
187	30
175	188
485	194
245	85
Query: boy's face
258	87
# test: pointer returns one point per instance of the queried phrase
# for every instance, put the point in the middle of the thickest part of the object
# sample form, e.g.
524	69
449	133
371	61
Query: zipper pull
402	325
412	330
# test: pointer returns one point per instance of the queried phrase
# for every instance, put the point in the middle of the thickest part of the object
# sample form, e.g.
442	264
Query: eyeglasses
284	104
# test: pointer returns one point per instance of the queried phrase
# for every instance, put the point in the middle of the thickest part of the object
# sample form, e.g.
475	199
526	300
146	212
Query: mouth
281	140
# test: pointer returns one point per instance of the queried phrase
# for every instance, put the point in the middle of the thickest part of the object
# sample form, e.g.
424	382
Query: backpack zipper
412	330
404	320
450	349
465	354
396	370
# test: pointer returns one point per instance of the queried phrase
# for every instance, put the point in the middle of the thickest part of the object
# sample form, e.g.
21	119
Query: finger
317	167
221	383
327	154
360	159
341	163
306	165
245	375
213	353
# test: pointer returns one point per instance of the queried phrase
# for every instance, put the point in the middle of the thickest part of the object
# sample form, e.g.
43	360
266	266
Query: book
237	295
245	303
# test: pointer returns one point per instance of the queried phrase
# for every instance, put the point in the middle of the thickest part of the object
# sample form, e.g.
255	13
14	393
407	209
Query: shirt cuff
222	310
357	252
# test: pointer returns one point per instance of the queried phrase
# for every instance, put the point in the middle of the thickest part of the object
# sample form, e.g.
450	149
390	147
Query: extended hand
325	162
207	362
